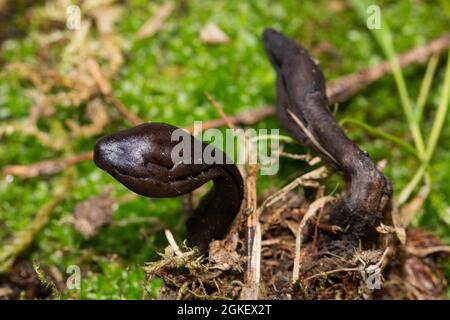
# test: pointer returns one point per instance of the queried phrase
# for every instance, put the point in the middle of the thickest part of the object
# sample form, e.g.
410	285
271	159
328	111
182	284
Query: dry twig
156	22
46	167
304	180
344	87
173	243
212	34
423	252
221	112
313	208
106	90
250	291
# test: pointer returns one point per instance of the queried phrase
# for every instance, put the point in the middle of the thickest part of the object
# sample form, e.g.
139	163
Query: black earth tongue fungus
302	109
159	160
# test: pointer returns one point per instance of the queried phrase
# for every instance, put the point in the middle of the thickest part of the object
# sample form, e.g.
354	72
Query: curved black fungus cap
302	109
141	159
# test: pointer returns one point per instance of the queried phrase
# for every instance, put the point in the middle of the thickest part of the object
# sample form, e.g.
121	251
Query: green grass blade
381	134
441	114
412	184
434	137
384	38
425	87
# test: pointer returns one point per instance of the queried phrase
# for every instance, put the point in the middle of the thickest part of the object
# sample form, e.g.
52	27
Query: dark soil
22	282
331	268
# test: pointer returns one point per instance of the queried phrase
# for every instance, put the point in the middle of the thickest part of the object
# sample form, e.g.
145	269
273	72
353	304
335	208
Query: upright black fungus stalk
302	109
141	159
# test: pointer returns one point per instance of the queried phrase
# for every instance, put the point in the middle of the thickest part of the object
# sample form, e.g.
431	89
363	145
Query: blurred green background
163	78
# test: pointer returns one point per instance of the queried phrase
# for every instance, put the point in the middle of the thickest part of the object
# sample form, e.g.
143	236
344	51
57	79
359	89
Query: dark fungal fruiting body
141	159
302	109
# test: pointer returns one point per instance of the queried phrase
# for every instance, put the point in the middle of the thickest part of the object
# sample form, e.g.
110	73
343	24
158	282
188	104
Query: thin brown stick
246	117
131	117
250	291
307	178
221	112
249	184
329	228
156	22
173	243
105	88
332	271
313	208
351	269
344	87
316	231
46	167
423	252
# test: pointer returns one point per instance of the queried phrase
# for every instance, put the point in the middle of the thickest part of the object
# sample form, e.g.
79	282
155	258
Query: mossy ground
164	79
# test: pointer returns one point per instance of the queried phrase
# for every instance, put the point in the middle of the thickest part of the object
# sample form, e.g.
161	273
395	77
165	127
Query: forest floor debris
329	269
